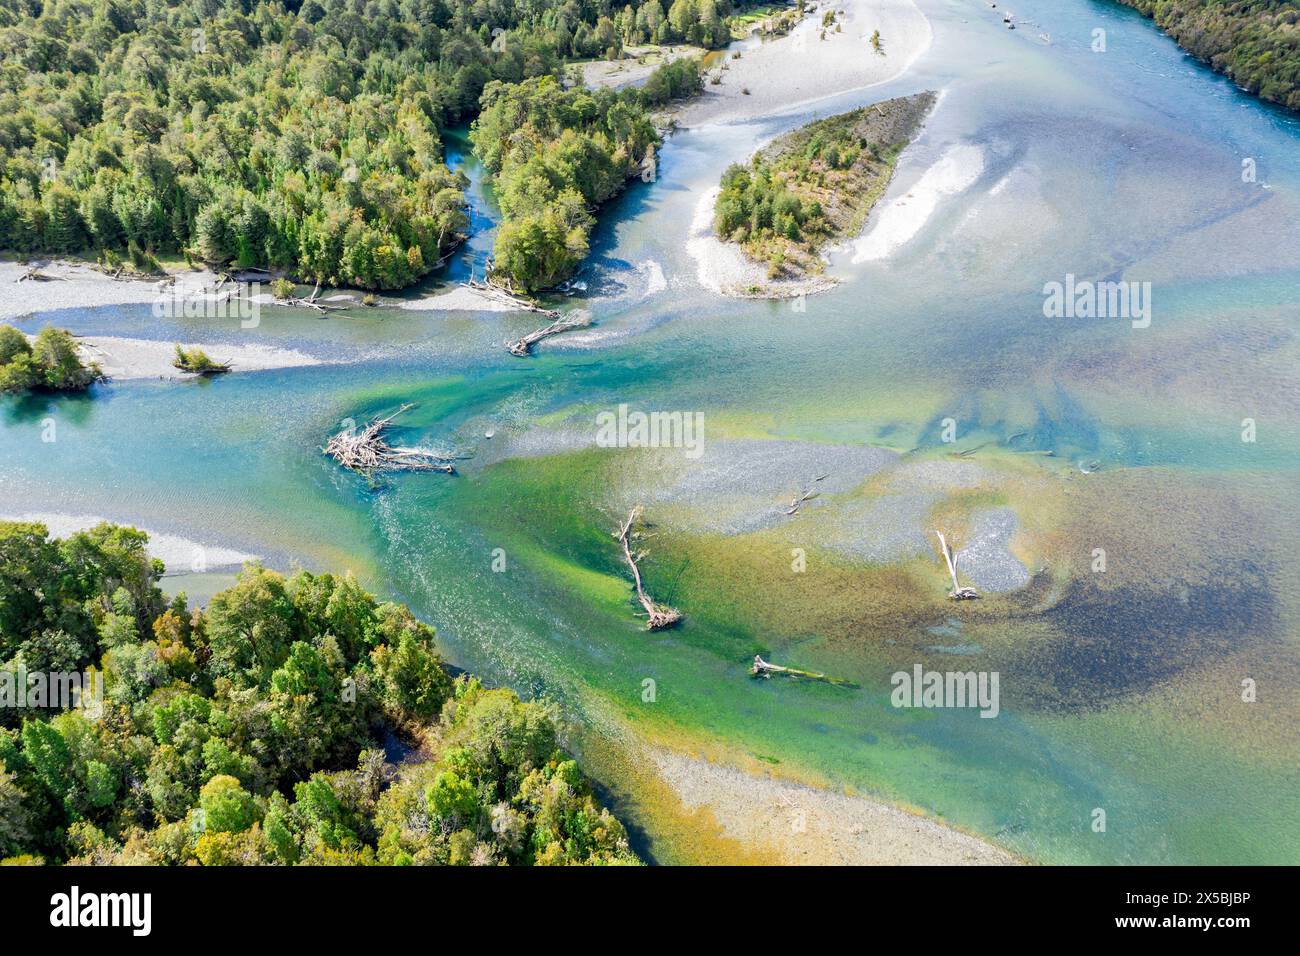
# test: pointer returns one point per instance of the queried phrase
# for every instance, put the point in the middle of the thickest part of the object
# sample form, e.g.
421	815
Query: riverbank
123	359
78	284
796	824
73	284
786	74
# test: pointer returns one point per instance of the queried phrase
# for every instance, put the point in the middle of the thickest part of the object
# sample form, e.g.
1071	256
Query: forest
255	731
301	136
556	154
1255	42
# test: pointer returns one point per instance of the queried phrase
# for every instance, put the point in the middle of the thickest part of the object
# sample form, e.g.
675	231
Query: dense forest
556	154
1255	42
252	732
300	135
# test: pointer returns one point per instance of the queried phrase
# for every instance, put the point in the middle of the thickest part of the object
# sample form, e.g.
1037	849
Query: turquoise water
1121	696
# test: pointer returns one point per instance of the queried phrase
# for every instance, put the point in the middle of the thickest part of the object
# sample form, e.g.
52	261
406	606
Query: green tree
227	806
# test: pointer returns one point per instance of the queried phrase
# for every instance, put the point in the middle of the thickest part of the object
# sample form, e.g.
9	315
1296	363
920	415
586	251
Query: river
1122	689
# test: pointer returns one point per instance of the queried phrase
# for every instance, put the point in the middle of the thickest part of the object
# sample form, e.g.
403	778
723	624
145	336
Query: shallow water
1120	689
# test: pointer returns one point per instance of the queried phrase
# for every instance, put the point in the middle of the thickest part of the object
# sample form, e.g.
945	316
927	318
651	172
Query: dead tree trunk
658	615
761	668
523	347
958	593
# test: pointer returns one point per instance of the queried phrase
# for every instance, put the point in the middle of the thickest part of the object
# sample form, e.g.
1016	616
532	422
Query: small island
49	362
813	186
197	362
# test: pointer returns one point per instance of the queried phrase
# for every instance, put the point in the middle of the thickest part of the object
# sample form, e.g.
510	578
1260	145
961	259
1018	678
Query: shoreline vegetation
50	362
556	155
813	187
1255	43
293	721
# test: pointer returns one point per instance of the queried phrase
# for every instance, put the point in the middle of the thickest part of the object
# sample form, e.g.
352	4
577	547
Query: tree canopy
50	362
1255	42
302	135
254	732
557	154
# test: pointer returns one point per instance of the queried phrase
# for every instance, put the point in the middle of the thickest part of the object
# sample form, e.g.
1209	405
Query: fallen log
490	290
806	495
761	668
958	593
35	275
366	451
659	616
523	347
310	302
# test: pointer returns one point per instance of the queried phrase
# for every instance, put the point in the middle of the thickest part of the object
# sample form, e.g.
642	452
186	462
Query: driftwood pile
523	347
958	593
366	451
490	290
309	302
34	274
658	616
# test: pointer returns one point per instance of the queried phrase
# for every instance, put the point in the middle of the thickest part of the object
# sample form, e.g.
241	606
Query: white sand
802	824
723	267
180	554
79	286
124	359
893	224
791	73
459	299
784	75
625	72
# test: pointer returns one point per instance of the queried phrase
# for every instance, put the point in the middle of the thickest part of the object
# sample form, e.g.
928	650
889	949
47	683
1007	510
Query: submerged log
806	495
659	616
523	347
761	668
958	593
366	451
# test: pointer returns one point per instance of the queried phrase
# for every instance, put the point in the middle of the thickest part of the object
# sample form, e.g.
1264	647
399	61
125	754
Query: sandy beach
781	76
456	299
787	74
123	359
724	268
805	825
76	285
